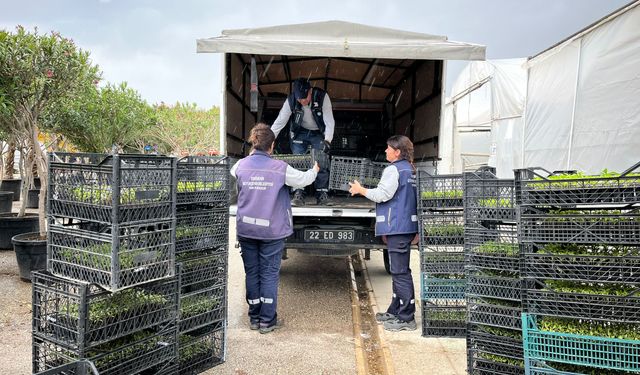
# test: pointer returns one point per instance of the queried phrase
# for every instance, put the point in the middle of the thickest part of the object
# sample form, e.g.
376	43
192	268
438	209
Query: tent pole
573	110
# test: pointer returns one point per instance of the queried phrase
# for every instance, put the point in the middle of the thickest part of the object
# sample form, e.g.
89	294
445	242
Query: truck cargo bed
342	206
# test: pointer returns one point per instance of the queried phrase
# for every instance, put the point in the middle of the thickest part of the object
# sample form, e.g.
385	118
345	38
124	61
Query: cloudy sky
151	44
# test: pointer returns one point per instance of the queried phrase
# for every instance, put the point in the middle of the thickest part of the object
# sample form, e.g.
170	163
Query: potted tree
6	197
36	73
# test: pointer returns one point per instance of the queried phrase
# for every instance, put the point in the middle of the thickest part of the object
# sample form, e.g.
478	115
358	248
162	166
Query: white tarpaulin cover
340	39
583	99
483	117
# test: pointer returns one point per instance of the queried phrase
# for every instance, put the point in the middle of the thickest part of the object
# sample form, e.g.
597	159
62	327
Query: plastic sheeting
583	99
483	118
340	39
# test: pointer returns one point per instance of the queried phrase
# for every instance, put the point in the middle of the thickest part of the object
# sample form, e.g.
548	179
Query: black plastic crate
202	307
346	169
596	264
301	162
443	321
580	226
479	285
203	271
491	366
132	255
441	191
487	197
112	189
434	263
203	179
127	355
504	346
538	187
492	248
82	367
80	315
441	228
487	312
198	352
612	308
206	228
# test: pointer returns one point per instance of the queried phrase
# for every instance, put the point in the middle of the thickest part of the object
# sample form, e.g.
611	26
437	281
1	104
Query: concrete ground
314	301
410	352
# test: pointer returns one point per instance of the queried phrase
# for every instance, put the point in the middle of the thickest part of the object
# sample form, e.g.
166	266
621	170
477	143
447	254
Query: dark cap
301	88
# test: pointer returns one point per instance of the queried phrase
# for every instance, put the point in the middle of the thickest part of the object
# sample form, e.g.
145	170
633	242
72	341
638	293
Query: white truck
381	82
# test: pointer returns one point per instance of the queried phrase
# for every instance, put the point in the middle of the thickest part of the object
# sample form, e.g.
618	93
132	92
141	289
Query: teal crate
435	288
582	350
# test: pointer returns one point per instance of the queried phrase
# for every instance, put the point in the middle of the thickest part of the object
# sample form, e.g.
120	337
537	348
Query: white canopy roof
340	39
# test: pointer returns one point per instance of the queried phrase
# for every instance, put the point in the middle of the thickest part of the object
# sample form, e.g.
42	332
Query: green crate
582	350
437	288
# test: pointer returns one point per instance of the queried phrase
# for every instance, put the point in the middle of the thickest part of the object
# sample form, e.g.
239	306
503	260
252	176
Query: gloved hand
326	147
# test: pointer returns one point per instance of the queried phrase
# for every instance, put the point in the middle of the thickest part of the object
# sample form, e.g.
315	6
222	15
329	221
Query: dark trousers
261	260
403	303
299	146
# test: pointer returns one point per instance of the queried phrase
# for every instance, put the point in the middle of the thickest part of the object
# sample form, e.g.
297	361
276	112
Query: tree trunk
9	161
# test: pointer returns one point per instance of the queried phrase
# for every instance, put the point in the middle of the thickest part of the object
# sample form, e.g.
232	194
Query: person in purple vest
264	221
397	220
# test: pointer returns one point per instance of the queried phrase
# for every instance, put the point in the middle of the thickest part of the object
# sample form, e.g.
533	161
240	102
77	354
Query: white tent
583	98
482	121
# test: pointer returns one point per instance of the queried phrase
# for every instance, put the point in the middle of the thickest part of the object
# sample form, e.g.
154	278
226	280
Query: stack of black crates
110	293
494	303
202	254
580	240
441	229
137	262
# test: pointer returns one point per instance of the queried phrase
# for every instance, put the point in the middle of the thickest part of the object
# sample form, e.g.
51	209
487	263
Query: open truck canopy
341	39
381	81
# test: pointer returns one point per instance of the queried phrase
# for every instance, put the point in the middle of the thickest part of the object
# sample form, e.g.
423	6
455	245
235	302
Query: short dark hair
301	88
404	144
261	137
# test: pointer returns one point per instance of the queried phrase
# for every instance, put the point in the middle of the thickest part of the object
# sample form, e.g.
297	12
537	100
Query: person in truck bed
309	114
397	220
264	220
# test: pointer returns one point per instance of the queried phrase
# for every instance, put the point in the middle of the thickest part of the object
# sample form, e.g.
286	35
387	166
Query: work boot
298	198
266	329
323	199
385	317
400	325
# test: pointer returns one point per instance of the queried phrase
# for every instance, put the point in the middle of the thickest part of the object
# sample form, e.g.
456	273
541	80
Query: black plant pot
6	201
33	198
31	253
12	185
11	225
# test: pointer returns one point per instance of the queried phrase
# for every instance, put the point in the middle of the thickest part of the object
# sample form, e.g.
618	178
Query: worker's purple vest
399	214
264	207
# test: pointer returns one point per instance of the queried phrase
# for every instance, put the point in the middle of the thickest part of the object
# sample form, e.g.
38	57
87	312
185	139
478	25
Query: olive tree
36	73
101	118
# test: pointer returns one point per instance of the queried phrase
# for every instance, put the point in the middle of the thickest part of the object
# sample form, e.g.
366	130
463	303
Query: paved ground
315	303
317	337
410	352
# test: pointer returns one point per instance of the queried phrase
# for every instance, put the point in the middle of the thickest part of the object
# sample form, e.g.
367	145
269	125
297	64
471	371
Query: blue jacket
399	215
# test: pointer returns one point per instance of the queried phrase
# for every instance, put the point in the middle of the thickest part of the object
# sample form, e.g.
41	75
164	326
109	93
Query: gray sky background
151	43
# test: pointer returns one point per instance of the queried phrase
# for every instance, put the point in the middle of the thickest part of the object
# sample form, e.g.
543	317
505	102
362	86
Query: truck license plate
329	235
